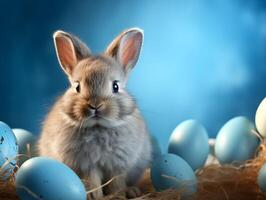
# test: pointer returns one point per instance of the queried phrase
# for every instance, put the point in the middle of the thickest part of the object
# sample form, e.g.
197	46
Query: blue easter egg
236	141
170	171
46	178
8	150
26	142
24	138
189	140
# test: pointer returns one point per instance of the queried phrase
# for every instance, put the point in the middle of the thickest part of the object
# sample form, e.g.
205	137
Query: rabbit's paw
133	192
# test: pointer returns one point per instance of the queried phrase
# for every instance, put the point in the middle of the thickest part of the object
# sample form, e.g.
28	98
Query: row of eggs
189	148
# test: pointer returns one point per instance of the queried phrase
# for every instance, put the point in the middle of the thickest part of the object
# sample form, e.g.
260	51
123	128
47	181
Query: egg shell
189	140
49	179
260	118
170	171
236	141
262	178
8	150
24	139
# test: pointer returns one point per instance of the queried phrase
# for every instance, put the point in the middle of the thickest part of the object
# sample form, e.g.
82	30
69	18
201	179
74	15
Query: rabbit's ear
126	48
70	50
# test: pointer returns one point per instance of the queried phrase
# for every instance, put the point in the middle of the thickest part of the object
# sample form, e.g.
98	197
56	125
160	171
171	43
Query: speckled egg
8	150
170	171
236	141
189	140
46	178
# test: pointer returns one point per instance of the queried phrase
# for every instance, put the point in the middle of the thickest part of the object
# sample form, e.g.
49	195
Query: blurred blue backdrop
200	59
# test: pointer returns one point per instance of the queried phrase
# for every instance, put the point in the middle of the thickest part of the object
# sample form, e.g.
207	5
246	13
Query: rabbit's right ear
70	50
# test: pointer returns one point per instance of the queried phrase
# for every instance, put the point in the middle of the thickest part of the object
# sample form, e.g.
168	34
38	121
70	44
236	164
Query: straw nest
236	181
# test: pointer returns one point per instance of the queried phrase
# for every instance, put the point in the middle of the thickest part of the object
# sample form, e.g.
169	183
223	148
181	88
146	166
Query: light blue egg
24	138
262	178
8	151
189	140
236	141
170	171
26	142
46	178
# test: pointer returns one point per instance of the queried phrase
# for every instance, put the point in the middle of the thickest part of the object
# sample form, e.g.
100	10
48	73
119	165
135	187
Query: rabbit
95	127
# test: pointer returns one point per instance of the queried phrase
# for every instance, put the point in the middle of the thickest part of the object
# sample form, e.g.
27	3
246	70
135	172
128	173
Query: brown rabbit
96	127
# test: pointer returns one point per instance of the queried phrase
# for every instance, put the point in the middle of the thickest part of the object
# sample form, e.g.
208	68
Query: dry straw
237	181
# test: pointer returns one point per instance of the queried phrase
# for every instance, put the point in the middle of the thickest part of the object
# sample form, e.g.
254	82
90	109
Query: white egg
211	157
261	118
211	142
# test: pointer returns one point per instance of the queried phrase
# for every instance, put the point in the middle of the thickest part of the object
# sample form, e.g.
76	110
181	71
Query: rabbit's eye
115	87
77	86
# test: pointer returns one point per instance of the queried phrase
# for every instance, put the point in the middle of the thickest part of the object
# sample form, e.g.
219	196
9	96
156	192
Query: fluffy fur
99	133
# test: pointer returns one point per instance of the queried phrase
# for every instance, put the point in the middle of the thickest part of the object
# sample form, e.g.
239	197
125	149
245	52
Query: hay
8	191
236	181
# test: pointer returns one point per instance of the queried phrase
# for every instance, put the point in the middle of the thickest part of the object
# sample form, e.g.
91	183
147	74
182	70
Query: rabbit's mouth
100	120
96	117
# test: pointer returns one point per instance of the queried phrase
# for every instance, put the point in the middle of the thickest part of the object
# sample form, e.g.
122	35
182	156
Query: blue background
200	59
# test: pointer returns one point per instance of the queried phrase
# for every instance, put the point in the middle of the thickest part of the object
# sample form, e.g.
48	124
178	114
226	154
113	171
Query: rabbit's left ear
126	47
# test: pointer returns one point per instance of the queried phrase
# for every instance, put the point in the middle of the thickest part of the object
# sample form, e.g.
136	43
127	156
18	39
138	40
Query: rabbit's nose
92	107
95	108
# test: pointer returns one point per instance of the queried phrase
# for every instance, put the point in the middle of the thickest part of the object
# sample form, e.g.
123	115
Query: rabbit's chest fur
125	149
108	149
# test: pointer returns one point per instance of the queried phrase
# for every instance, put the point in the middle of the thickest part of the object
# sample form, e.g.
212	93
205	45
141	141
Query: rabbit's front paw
133	192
